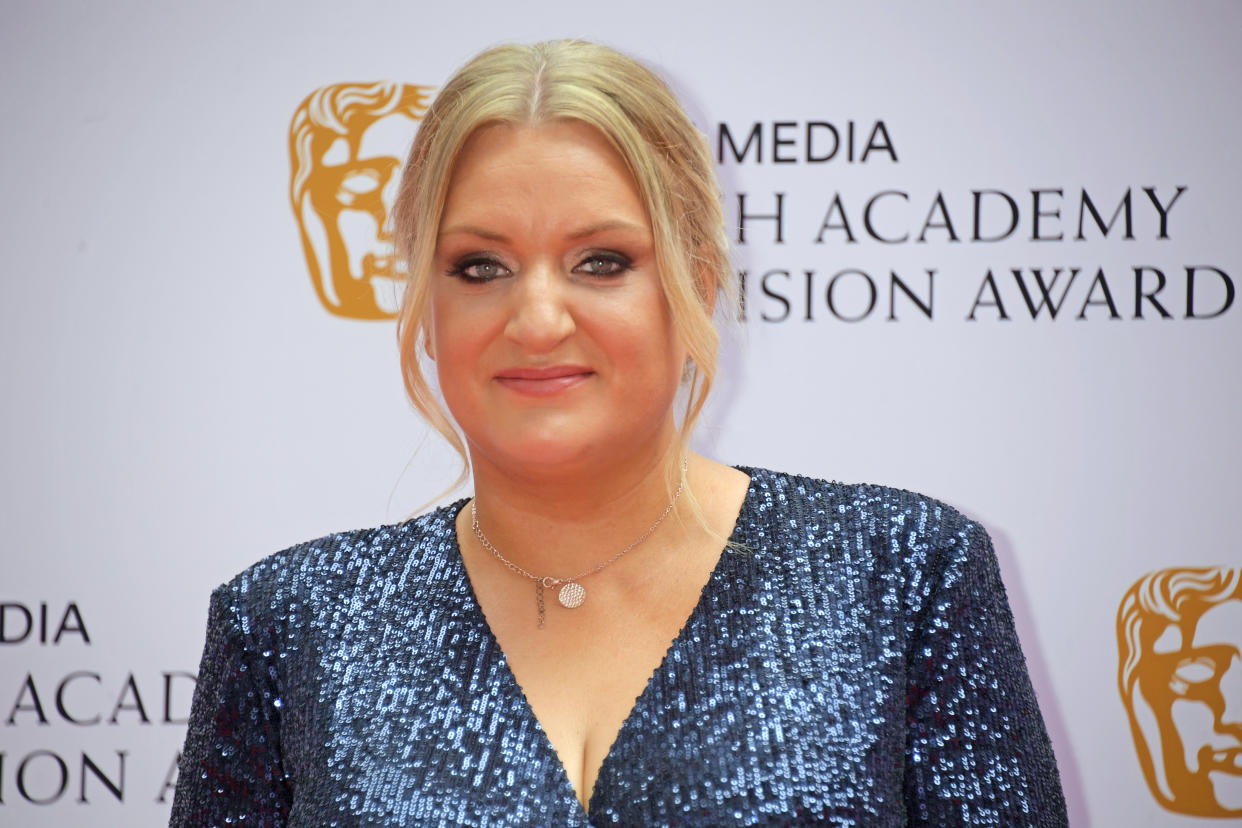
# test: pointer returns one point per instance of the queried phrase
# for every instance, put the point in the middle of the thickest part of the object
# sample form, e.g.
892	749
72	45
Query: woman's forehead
563	173
499	144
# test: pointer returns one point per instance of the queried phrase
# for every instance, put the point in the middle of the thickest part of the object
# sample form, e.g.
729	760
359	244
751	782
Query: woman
839	654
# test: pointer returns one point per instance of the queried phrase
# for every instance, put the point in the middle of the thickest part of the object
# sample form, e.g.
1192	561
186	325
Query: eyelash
611	264
618	262
462	268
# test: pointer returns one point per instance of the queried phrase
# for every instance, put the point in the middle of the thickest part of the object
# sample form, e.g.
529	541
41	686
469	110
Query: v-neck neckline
509	678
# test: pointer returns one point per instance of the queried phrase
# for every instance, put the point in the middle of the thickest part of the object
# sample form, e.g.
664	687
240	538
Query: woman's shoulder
357	562
863	539
794	499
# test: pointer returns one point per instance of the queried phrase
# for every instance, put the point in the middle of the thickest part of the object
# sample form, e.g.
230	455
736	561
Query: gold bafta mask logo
345	145
1179	632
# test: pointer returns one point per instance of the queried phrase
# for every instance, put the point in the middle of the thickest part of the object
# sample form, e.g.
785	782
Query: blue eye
478	269
604	264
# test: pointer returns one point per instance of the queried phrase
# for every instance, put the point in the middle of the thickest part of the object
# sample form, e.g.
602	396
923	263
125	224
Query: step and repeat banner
991	253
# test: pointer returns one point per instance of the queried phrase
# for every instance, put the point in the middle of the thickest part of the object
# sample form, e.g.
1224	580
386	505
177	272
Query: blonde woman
613	629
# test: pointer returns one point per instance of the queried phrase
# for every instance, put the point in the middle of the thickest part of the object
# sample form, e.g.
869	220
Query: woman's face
553	342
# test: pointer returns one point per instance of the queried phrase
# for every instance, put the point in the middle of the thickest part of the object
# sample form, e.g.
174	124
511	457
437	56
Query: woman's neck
560	521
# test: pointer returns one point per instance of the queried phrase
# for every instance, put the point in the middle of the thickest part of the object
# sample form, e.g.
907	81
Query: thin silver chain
548	581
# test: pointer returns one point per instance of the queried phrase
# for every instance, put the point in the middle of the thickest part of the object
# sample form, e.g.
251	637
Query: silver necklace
571	593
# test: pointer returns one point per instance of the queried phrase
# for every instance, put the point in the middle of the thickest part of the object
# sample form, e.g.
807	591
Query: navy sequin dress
855	664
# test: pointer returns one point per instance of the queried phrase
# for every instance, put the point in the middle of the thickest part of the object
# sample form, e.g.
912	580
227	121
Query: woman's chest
744	718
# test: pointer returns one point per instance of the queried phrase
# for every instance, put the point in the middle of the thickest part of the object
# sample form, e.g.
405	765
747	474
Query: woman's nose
540	318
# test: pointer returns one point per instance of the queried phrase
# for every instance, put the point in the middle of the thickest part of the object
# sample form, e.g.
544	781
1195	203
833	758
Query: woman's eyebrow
605	226
472	230
580	233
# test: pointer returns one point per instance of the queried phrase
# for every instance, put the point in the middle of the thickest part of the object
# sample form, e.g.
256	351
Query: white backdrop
179	404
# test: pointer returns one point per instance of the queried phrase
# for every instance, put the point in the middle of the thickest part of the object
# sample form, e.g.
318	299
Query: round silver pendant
571	595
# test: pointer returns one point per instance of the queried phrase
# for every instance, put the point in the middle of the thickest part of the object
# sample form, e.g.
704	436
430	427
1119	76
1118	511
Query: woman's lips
542	382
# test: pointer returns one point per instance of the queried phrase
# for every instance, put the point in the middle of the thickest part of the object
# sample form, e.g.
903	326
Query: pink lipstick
545	381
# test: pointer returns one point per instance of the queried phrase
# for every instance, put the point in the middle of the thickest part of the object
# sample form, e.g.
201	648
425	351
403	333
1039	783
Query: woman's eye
604	264
478	270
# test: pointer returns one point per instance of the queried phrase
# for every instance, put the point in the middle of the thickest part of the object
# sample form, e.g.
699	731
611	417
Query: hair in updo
634	110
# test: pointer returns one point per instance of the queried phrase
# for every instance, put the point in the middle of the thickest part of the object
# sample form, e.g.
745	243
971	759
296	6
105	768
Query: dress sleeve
231	771
977	750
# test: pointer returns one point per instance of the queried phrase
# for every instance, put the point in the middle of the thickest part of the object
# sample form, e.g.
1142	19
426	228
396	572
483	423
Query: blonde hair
668	157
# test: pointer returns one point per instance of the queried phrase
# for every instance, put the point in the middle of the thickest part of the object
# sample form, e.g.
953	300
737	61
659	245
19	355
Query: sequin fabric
852	662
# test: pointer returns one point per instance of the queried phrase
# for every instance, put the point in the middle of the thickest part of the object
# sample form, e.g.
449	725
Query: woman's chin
552	444
551	455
